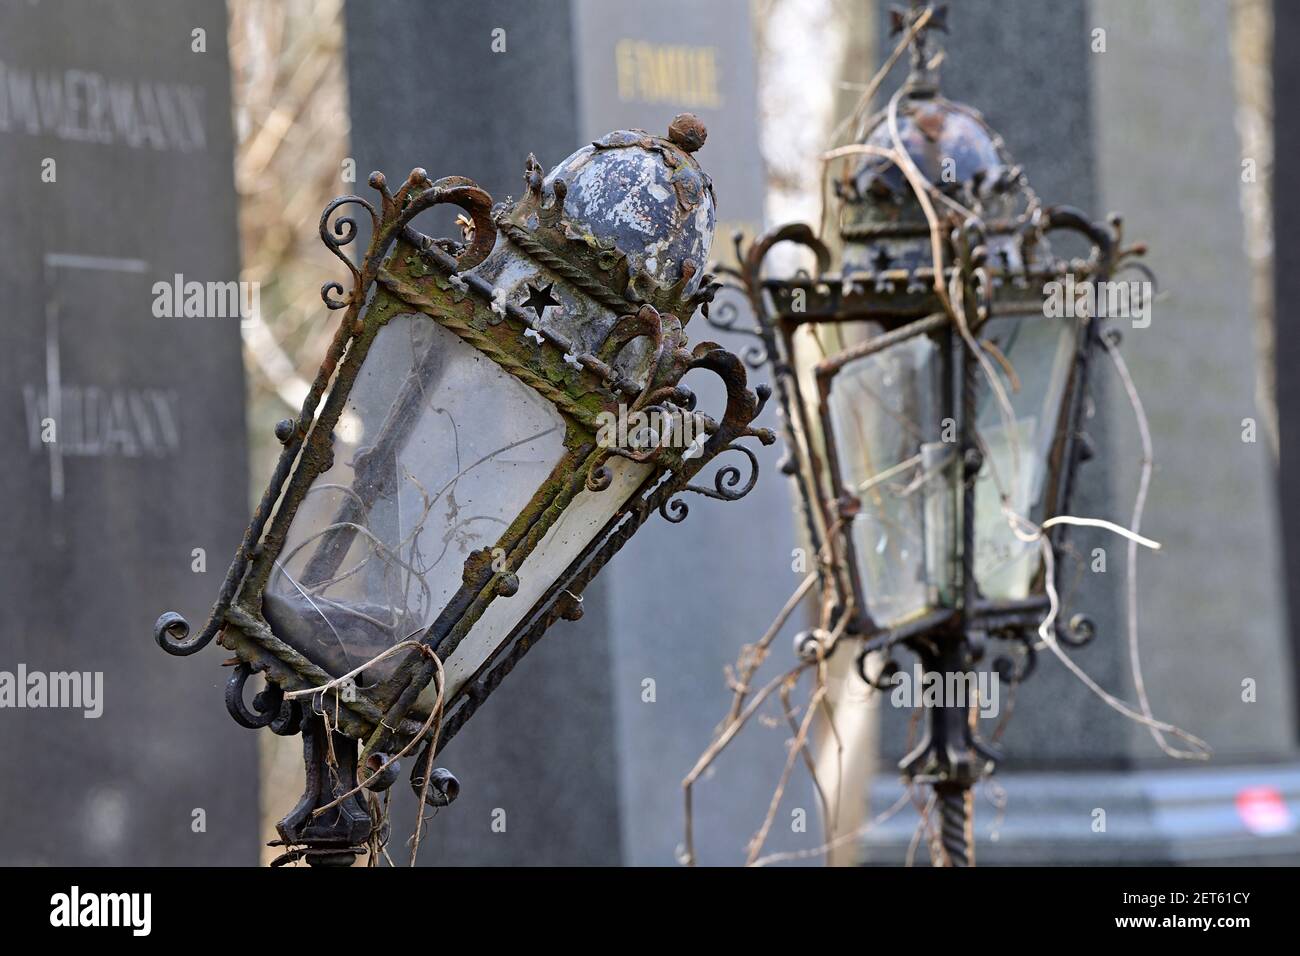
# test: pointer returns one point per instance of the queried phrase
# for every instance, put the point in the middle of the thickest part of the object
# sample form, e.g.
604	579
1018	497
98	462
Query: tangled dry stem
379	815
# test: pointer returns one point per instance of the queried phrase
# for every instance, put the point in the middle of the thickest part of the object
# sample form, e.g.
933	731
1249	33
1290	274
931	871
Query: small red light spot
1263	811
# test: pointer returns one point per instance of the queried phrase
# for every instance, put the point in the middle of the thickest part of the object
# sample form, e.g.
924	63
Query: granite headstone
125	479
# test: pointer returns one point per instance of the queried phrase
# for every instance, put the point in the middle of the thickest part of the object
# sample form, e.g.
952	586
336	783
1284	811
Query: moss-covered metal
638	365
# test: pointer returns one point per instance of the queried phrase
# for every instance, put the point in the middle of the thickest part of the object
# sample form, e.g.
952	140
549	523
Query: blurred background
145	141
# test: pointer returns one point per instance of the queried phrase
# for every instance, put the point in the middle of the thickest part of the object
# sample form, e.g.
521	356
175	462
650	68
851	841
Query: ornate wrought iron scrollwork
725	316
269	708
1014	670
172	633
1079	630
344	231
743	406
729	483
747	280
443	787
883	681
381	772
674	510
393	218
599	477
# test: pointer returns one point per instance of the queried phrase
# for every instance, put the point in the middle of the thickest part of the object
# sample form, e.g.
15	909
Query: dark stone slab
1212	604
149	459
1286	266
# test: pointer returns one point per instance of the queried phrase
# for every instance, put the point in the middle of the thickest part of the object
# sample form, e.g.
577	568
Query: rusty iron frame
904	303
944	638
401	272
830	299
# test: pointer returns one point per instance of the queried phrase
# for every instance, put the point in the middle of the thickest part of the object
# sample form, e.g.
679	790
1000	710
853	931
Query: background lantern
448	491
932	384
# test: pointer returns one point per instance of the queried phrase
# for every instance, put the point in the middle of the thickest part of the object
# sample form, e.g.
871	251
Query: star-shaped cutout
539	298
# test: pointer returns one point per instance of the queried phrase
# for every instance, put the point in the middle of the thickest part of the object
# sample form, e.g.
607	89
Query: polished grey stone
149	459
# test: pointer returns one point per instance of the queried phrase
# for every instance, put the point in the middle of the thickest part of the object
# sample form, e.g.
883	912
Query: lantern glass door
885	420
437	450
1032	357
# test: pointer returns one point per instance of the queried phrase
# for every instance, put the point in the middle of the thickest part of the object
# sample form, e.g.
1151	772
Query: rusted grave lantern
452	483
933	400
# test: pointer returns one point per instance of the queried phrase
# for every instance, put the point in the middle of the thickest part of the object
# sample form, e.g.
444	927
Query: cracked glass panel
437	451
884	412
1032	357
585	517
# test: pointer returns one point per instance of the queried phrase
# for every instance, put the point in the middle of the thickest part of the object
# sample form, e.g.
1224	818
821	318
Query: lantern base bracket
335	837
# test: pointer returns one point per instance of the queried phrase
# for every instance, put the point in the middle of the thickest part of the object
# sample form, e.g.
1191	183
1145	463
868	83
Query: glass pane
585	517
884	412
810	344
1040	352
437	451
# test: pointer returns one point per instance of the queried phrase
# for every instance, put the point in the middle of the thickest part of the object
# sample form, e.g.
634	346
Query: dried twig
796	748
1139	504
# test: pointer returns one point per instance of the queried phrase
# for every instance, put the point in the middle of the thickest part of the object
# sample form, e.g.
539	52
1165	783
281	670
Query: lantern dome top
646	196
950	143
882	223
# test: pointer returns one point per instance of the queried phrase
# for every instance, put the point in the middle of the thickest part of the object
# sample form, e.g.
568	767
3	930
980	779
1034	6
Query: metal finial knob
687	132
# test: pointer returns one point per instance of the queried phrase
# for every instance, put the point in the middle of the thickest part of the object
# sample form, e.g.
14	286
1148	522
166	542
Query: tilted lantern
910	467
448	481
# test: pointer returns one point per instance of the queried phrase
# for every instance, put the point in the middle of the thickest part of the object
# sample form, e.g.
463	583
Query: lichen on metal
577	294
